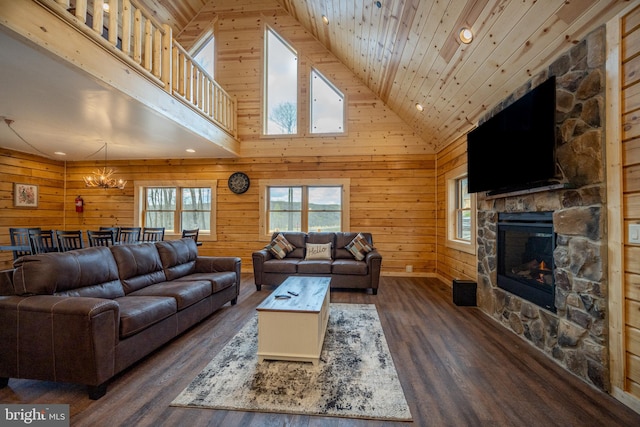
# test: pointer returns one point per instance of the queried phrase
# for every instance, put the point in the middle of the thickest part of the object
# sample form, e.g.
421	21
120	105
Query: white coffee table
293	328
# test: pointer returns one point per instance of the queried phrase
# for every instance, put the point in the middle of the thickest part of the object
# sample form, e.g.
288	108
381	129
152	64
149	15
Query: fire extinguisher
79	204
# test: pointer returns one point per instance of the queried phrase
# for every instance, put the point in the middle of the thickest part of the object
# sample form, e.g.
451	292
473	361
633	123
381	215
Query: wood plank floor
457	367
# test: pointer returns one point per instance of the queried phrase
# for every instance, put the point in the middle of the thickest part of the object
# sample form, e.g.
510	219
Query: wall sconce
466	35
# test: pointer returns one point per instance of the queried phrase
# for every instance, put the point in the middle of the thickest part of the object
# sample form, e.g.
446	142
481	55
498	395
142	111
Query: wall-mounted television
516	148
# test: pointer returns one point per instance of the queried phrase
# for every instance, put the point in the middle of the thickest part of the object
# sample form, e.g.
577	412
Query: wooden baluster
167	57
98	16
148	45
157	52
114	14
137	36
126	26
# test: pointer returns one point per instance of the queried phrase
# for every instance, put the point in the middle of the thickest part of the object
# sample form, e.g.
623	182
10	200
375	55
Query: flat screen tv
515	149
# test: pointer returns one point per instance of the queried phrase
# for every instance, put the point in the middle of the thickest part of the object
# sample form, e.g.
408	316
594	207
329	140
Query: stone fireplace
574	331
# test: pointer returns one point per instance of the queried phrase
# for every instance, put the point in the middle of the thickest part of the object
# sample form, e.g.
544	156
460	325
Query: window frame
139	203
205	37
335	89
452	179
265	85
265	184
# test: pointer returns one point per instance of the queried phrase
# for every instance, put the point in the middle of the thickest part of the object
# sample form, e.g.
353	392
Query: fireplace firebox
526	242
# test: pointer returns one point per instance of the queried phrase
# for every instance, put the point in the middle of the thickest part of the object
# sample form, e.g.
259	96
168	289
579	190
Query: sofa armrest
374	264
56	338
215	264
259	258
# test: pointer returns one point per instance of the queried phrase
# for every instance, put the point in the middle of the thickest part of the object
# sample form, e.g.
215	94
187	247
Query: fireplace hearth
526	241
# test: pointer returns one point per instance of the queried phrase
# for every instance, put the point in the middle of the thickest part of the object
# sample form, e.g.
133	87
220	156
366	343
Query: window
281	86
311	205
327	106
204	54
461	212
176	206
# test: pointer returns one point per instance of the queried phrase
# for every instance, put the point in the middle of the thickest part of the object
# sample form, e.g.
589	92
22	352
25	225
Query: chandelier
104	178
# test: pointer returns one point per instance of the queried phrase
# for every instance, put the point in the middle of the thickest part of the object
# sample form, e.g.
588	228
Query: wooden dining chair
193	234
20	237
129	234
114	230
42	241
100	238
152	234
69	240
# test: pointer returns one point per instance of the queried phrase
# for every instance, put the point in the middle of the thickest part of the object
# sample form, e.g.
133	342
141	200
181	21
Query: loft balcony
75	76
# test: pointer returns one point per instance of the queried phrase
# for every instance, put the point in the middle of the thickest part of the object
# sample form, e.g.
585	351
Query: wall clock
239	182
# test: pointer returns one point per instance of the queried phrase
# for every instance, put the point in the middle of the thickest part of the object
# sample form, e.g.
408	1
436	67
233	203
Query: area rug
355	378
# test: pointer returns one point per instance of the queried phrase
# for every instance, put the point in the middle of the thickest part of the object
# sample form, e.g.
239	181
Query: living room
392	173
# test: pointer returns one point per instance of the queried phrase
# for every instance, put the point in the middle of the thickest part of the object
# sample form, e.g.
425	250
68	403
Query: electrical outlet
634	234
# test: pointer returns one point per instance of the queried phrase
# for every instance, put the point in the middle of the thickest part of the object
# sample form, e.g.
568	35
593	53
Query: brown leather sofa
345	271
85	315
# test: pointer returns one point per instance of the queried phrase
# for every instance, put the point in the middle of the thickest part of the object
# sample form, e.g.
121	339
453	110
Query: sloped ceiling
408	51
405	51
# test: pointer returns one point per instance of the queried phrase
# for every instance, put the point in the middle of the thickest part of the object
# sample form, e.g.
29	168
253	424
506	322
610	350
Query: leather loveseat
303	256
85	315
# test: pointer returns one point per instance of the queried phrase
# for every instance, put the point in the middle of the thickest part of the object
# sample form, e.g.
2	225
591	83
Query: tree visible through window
281	86
163	208
463	210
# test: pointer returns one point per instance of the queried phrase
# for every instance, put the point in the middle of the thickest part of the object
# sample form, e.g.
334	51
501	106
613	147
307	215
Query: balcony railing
126	30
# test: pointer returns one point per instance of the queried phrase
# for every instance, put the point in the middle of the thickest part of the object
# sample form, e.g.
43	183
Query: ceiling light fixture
190	150
105	7
103	178
325	19
419	107
466	35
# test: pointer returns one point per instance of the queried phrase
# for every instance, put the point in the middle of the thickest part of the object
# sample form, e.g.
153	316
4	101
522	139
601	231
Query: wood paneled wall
630	105
392	197
16	167
451	263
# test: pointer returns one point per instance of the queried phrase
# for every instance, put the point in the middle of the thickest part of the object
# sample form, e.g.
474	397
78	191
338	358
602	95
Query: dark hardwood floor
457	367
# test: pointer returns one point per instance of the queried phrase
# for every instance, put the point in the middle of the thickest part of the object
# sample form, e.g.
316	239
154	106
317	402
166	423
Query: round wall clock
238	182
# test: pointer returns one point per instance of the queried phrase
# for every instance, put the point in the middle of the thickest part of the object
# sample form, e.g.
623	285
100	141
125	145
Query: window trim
138	202
451	181
264	185
310	100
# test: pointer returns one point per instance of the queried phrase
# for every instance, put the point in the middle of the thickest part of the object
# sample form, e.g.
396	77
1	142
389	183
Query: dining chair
114	230
42	241
193	234
152	234
100	238
69	240
129	234
20	237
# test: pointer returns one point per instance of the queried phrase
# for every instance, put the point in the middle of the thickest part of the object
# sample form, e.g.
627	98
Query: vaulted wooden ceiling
408	51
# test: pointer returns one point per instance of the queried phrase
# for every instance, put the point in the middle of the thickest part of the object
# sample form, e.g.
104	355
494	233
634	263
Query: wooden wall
392	197
451	263
16	167
630	105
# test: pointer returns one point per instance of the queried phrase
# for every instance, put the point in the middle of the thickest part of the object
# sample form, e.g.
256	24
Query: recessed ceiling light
419	107
59	153
190	150
325	19
466	35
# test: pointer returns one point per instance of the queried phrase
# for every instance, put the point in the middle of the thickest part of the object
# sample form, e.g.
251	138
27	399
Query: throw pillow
280	247
318	251
359	247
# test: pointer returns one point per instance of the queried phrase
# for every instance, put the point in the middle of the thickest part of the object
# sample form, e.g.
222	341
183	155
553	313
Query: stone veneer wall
575	336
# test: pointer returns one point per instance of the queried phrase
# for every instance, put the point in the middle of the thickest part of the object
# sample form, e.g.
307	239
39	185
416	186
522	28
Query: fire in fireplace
526	242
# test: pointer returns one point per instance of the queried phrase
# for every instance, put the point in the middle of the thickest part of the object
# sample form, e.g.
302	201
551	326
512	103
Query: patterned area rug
356	377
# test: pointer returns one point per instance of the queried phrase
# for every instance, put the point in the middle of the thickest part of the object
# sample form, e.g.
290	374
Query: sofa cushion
314	267
318	251
217	281
178	257
345	266
288	265
280	247
297	239
139	312
89	272
139	265
186	293
359	247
